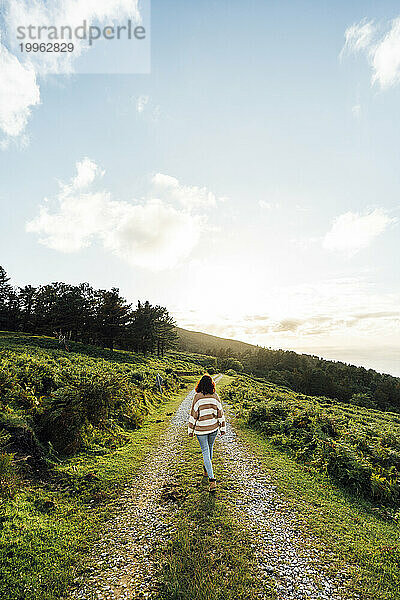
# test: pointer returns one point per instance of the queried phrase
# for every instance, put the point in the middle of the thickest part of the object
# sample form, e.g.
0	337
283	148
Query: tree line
315	376
83	314
312	375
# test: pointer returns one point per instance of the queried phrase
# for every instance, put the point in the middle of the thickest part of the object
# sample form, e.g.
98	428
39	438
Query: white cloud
358	37
161	180
141	103
386	57
87	171
353	231
268	205
150	234
146	108
264	204
19	92
382	49
75	221
154	235
71	13
19	72
324	324
187	196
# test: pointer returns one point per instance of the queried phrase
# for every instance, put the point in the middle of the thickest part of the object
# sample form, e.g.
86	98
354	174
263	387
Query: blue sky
254	156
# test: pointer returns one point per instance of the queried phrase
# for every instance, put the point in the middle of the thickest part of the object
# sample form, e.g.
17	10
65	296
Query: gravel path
120	565
278	546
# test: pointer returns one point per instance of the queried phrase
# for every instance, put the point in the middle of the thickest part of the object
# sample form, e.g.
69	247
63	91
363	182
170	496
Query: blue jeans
206	441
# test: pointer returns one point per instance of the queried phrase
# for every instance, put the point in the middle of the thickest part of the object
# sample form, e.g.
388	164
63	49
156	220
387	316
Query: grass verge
47	530
345	530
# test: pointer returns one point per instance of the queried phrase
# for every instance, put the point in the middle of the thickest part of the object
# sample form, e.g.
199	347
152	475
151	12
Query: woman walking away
206	416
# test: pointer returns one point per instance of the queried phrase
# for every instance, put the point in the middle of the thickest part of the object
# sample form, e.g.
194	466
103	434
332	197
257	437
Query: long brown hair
205	385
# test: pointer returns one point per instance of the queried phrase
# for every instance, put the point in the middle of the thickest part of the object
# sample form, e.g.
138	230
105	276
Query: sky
249	181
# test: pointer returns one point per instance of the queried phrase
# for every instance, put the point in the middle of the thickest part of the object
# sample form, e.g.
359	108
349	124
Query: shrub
355	446
223	364
8	476
67	399
363	400
89	398
19	438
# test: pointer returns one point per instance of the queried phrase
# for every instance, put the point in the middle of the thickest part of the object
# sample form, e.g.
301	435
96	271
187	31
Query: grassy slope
196	341
40	345
45	534
46	530
41	545
344	529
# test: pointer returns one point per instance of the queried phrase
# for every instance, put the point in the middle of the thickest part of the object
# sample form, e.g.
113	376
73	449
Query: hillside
74	426
358	447
205	343
54	395
303	373
91	454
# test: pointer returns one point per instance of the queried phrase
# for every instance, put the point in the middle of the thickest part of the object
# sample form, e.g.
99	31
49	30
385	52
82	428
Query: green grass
345	530
285	430
47	529
108	404
67	400
45	346
357	447
210	554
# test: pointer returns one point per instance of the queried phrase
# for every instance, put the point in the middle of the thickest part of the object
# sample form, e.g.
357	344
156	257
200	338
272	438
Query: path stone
279	548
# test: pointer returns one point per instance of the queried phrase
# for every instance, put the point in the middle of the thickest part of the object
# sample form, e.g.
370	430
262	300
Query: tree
165	330
5	287
152	329
112	315
143	328
26	304
44	310
8	303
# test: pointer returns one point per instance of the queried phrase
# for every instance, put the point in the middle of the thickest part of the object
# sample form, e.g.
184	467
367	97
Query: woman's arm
221	416
194	415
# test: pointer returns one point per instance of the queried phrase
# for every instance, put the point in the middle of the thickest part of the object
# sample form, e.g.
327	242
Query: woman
206	416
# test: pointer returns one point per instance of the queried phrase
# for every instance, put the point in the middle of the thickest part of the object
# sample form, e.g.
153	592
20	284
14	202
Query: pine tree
165	327
112	316
8	303
26	297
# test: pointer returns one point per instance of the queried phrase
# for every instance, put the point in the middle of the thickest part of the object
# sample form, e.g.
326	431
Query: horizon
248	181
323	357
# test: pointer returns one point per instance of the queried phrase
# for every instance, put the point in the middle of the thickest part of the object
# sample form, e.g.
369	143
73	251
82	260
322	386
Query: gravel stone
281	551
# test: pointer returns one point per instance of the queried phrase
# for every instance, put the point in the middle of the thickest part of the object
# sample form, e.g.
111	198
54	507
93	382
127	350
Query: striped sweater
206	415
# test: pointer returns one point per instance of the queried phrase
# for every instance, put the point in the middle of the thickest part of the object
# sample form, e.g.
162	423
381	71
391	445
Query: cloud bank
381	46
19	92
19	86
155	233
351	231
189	197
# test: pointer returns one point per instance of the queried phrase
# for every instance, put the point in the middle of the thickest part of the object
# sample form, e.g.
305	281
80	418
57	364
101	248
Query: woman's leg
205	450
211	440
